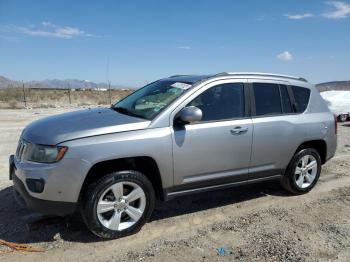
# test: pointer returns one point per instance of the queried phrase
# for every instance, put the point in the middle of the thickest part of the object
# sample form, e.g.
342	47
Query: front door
217	149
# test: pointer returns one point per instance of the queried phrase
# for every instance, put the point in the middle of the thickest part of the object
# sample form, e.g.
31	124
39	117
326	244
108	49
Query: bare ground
257	222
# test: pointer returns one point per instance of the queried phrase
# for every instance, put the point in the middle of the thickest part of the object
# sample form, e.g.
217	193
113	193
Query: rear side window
286	103
267	99
302	96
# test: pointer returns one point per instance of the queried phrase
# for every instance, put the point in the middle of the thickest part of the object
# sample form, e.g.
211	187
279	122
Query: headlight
45	154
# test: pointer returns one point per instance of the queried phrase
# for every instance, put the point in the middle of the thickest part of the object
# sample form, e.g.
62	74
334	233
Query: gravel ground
256	222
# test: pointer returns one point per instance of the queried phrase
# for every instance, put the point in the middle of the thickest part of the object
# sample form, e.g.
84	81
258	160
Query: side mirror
189	115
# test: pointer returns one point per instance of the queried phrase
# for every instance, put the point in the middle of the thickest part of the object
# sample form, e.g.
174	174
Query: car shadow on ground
347	125
18	224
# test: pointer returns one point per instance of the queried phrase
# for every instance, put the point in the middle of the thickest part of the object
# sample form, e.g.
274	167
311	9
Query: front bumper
48	207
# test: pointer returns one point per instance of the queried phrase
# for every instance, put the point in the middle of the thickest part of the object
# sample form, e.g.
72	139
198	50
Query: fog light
35	185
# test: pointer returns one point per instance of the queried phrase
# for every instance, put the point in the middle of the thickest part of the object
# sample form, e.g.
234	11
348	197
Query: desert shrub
45	105
51	98
11	94
102	102
13	104
84	104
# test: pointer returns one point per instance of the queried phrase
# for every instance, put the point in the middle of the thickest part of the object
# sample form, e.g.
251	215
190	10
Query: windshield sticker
183	86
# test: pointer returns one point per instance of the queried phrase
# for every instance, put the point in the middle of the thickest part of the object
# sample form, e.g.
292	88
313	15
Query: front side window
267	99
221	102
150	100
301	96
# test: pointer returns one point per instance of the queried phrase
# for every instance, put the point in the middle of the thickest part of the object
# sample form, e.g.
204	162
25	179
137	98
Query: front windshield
150	100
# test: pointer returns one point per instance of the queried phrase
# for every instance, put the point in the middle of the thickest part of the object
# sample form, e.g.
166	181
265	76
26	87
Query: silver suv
180	135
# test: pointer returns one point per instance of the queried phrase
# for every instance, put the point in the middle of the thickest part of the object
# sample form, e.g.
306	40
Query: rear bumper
331	147
329	157
46	207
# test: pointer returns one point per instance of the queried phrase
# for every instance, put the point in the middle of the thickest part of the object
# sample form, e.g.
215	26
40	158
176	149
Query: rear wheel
118	204
303	172
343	117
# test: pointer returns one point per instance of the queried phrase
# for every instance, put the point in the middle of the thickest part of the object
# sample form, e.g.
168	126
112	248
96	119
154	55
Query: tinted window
286	103
267	99
221	102
302	96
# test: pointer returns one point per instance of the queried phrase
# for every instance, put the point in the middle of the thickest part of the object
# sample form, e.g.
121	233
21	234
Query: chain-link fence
22	97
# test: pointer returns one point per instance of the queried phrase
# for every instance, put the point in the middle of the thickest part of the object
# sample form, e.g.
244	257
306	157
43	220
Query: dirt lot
258	222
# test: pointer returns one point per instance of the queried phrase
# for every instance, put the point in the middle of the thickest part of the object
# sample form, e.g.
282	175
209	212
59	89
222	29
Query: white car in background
339	103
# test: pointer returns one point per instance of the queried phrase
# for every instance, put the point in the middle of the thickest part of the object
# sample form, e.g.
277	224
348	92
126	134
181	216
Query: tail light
335	124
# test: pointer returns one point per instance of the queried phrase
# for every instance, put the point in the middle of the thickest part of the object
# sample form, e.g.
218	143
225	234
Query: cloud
9	38
299	16
184	47
47	29
285	56
341	10
261	18
48	24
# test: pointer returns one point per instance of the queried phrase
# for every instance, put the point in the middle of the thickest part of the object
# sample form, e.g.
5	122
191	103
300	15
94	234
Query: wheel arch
319	145
144	164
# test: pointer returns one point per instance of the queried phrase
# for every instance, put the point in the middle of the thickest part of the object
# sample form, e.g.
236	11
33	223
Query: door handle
238	130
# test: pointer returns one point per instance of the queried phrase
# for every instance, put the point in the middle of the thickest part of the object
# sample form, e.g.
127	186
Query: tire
298	178
342	117
108	200
18	199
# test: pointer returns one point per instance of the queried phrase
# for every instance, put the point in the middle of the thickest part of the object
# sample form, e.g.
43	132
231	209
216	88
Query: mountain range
85	84
336	85
56	83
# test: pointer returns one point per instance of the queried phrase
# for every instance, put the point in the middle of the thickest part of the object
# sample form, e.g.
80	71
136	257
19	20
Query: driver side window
221	102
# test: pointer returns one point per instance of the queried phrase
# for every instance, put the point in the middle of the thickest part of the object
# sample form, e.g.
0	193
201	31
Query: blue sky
146	40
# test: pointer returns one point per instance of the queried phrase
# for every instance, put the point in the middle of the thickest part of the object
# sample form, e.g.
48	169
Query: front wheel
302	172
118	204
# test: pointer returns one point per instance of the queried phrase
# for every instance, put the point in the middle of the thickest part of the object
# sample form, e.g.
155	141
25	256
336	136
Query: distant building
100	89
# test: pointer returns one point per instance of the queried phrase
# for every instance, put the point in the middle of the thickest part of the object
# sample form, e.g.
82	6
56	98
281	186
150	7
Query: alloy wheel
305	171
121	205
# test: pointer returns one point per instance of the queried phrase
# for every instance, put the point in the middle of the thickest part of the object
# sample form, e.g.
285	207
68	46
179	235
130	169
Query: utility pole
24	95
110	94
70	102
108	84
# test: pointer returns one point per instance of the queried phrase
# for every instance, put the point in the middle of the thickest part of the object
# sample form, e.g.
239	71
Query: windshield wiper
125	111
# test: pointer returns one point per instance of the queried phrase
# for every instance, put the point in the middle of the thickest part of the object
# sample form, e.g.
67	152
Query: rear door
277	128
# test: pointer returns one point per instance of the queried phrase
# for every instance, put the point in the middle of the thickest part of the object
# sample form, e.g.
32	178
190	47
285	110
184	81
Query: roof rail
176	76
260	74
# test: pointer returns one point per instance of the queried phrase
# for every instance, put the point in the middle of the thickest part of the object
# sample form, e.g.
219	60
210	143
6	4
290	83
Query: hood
84	123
